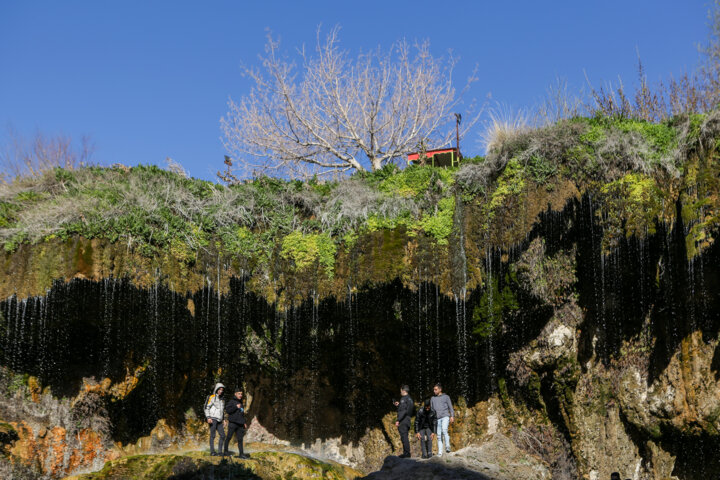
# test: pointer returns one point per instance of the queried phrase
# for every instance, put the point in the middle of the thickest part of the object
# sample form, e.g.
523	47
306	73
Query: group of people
431	421
215	410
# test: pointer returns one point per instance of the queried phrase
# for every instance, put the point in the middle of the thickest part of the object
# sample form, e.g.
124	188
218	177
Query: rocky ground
496	459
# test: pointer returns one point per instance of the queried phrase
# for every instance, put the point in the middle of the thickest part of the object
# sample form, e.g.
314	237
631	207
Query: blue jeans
442	429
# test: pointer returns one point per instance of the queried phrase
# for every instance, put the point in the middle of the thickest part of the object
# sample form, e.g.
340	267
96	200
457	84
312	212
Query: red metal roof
430	153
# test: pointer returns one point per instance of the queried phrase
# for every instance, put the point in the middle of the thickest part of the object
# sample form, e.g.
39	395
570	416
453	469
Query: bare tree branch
21	156
339	114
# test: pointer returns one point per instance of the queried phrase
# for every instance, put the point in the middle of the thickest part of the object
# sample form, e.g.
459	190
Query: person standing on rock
214	414
404	419
425	426
442	405
235	409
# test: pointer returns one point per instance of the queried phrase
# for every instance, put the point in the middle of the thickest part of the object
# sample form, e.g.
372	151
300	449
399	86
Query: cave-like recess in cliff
323	368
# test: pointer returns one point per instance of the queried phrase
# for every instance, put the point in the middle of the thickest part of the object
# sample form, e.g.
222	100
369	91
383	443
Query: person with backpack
425	426
442	405
237	425
404	416
214	414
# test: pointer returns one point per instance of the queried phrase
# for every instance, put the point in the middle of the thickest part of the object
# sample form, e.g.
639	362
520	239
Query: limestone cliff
563	289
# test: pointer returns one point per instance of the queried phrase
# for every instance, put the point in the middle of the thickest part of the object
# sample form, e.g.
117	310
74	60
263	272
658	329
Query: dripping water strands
437	332
218	332
15	344
421	360
7	337
460	301
242	311
43	336
154	367
314	362
603	287
108	316
702	300
171	340
428	337
351	373
460	319
596	249
20	333
692	310
8	346
205	312
490	339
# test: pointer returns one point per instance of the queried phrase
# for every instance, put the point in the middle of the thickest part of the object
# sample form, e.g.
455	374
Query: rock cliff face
575	315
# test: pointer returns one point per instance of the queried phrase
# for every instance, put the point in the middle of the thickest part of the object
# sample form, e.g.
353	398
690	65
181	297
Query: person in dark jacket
404	419
425	426
237	424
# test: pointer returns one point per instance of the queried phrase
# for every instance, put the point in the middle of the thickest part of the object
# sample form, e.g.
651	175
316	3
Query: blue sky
148	80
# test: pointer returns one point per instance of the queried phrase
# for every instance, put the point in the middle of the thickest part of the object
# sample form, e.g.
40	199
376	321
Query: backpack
207	401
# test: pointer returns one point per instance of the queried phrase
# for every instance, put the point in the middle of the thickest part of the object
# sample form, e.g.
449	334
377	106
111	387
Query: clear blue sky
147	80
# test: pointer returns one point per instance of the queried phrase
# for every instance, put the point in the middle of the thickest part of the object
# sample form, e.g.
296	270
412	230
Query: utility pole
458	119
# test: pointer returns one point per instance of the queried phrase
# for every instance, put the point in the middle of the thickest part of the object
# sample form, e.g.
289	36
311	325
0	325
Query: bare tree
20	156
341	114
711	53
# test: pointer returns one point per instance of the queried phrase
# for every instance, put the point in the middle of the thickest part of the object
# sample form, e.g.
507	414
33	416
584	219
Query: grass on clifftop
153	210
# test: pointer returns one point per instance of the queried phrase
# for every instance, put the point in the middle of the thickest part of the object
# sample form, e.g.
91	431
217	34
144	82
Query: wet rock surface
262	465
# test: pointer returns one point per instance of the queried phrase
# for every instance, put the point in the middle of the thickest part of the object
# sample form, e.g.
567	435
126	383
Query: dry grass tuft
503	127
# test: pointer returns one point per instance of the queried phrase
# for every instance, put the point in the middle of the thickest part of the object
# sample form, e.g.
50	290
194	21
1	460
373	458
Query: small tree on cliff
339	114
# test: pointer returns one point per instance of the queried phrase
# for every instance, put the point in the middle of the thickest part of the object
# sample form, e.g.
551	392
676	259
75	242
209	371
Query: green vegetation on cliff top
154	210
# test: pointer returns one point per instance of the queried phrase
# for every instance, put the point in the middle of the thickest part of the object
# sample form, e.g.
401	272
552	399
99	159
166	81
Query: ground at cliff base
267	464
496	459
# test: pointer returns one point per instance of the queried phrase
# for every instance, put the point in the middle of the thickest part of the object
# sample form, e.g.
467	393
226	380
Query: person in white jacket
214	414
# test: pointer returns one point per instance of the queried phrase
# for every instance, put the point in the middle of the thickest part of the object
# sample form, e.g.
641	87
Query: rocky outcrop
498	458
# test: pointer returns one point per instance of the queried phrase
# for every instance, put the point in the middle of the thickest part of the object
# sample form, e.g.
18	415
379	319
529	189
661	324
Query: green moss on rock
265	465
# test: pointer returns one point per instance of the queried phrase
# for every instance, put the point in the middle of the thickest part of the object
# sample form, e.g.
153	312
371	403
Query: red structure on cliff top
440	157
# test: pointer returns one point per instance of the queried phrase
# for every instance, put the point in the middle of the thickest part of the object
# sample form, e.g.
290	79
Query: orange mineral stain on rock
35	389
53	453
55	462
